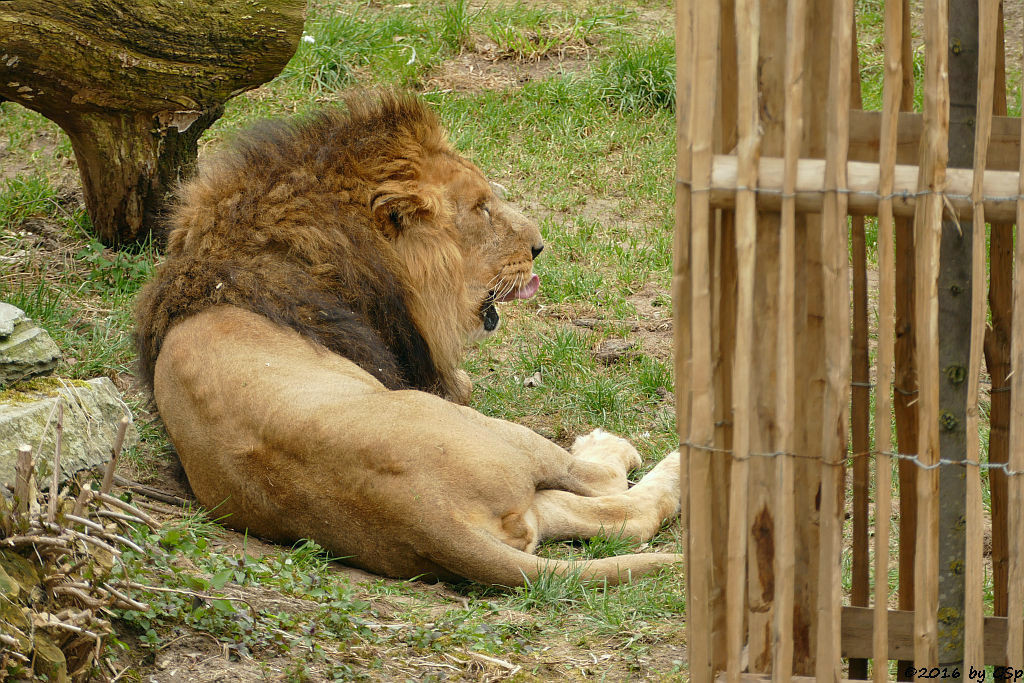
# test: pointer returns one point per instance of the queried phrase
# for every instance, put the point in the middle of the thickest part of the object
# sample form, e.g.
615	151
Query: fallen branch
150	492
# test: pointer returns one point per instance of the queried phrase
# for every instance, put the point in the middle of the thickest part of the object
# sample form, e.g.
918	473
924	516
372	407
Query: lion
303	340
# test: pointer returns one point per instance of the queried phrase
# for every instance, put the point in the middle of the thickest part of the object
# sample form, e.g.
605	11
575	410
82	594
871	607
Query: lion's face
498	243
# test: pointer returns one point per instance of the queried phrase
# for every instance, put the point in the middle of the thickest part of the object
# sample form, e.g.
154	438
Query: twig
87	600
84	496
13	541
55	476
135	604
88	523
93	540
192	594
108	475
493	660
150	492
46	619
23	479
130	509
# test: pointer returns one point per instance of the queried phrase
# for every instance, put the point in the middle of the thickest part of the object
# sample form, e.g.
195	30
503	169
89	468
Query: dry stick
836	294
988	13
130	509
782	636
891	95
86	523
51	514
84	496
120	516
1015	485
150	492
705	607
927	235
108	475
34	539
193	594
23	479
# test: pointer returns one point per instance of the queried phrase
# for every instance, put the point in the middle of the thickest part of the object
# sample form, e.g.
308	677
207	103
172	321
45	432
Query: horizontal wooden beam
858	628
866	136
761	678
1000	188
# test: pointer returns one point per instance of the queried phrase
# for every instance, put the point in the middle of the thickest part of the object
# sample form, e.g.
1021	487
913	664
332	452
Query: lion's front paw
461	388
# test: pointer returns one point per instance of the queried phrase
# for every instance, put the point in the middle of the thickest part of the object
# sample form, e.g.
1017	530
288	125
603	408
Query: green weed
640	76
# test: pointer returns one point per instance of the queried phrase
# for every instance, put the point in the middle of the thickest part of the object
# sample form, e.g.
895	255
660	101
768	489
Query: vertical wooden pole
988	13
997	357
860	404
835	262
1015	484
905	390
891	96
704	605
724	294
748	34
927	235
811	345
785	552
681	258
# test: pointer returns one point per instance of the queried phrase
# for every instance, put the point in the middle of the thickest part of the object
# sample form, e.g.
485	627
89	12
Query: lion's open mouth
489	314
524	292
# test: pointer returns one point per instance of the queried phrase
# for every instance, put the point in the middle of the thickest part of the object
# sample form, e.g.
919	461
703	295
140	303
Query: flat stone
8	316
611	350
26	350
92	411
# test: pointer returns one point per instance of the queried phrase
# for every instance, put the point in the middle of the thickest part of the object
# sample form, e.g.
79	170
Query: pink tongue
524	292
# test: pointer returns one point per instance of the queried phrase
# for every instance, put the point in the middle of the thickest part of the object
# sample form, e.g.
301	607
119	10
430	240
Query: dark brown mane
285	224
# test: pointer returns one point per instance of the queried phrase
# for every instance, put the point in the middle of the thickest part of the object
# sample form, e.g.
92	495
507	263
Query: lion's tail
486	559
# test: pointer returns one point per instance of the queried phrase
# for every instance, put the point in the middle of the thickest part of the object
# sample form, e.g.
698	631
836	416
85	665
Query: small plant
22	197
550	591
608	544
455	24
118	273
640	77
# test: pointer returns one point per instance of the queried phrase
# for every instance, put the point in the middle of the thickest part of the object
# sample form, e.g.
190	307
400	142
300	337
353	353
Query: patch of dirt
483	69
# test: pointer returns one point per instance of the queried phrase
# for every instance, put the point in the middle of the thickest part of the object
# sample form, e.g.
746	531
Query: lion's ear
400	204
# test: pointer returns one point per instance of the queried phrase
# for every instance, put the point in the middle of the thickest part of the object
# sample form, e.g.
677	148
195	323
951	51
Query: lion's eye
486	211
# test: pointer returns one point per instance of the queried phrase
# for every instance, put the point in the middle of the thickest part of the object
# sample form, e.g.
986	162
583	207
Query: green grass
588	150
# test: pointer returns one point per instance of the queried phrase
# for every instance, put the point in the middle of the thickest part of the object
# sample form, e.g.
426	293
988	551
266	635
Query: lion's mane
292	223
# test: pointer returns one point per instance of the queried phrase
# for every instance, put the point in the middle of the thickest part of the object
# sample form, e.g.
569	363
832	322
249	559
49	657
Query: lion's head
362	229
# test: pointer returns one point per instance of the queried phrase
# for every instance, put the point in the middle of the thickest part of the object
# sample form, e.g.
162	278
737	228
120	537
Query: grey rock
8	316
92	411
26	350
611	350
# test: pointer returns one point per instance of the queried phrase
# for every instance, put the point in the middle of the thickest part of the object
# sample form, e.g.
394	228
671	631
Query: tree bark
955	338
134	83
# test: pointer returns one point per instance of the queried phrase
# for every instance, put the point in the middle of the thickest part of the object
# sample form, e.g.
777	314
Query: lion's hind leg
614	457
637	513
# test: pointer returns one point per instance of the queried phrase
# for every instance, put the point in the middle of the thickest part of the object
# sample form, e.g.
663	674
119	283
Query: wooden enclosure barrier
796	405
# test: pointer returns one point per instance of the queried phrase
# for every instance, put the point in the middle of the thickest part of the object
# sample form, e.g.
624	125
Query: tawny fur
303	342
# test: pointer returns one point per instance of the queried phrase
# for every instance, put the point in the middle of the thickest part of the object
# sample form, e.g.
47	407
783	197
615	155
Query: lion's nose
536	250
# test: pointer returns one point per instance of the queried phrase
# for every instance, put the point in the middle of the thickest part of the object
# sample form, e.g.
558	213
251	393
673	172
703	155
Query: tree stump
134	83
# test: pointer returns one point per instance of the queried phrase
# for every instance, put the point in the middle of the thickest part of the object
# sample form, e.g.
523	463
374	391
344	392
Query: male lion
303	339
